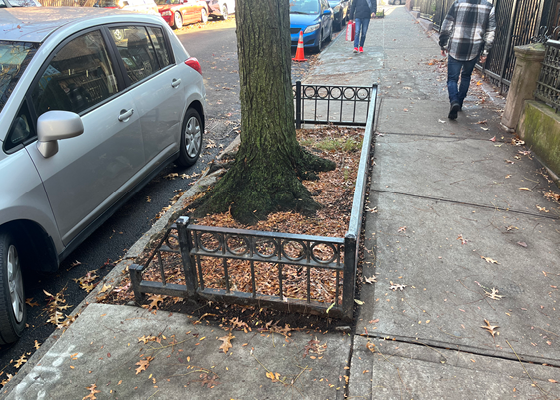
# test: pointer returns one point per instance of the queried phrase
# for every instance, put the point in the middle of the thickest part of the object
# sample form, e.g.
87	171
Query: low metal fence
548	84
194	250
327	104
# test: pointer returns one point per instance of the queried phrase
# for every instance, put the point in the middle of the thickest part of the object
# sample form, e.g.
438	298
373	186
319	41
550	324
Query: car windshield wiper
298	12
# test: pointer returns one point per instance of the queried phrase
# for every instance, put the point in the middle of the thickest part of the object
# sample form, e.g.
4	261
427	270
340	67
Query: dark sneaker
453	110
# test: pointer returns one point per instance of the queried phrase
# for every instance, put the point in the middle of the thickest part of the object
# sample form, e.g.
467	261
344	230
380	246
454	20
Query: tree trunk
270	163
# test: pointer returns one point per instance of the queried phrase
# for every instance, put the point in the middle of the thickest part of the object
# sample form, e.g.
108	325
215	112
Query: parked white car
93	104
221	9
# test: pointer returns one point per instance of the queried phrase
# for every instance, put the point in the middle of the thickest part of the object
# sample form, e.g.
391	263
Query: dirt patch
334	190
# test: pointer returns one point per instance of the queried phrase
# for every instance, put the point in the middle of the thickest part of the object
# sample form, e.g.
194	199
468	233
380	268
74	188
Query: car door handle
125	115
175	83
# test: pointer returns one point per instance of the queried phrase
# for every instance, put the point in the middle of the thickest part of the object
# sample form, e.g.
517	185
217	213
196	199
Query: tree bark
270	162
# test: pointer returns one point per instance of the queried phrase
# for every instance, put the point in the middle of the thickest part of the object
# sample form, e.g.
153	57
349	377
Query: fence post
189	266
349	282
298	105
135	272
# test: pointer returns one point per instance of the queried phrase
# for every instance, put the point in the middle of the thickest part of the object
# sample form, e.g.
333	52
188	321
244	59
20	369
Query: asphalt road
215	46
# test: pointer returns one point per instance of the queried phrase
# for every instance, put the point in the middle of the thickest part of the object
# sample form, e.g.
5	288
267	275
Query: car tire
329	38
13	313
177	20
224	12
337	25
203	16
319	46
191	138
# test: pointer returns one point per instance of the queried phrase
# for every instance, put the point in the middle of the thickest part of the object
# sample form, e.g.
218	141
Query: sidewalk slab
414	371
414	241
464	170
102	348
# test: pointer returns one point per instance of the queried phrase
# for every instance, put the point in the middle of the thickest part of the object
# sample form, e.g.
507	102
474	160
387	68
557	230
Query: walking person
361	12
466	34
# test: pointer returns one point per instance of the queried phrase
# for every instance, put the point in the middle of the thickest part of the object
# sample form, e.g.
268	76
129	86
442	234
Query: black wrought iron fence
327	104
188	258
548	85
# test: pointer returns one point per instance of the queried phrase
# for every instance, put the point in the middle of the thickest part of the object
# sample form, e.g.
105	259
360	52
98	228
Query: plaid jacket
468	29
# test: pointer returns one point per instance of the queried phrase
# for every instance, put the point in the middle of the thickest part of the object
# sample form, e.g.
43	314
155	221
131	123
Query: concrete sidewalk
459	217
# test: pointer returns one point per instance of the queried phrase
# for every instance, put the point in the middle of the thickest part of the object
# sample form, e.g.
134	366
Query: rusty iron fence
548	84
190	246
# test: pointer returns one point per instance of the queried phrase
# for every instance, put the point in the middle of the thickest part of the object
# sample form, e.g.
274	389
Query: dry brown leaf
526	189
490	328
370	346
371	279
22	360
143	364
402	229
227	342
30	302
396	286
92	391
542	208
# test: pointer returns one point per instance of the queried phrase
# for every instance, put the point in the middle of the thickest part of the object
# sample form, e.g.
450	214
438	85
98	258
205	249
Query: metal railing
342	105
198	250
548	84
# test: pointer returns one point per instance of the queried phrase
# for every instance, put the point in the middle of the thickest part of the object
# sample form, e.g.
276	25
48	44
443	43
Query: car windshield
164	2
14	58
304	7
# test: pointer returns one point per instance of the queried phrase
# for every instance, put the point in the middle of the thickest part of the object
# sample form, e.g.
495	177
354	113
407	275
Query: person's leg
365	26
358	22
453	71
466	73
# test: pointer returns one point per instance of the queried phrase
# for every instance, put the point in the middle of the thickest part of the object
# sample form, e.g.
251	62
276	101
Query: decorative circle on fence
310	92
266	247
323	92
362	93
172	241
336	92
237	244
294	250
323	253
209	241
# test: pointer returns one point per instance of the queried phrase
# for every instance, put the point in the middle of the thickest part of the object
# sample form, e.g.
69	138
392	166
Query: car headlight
166	13
312	28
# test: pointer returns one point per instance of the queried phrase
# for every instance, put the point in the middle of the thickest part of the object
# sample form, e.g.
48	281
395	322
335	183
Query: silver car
93	104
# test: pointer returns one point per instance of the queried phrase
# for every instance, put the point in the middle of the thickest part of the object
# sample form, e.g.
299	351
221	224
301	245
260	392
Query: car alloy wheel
191	138
12	297
178	20
319	46
225	14
203	16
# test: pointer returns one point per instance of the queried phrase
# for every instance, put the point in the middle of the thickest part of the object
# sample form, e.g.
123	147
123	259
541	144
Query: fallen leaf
483	128
443	122
22	360
105	288
489	260
370	280
490	328
402	229
92	391
227	342
542	208
395	286
143	364
30	302
493	295
553	381
478	83
493	139
359	302
522	244
370	346
526	189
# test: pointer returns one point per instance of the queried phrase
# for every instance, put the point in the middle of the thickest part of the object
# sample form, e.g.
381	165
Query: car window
14	58
21	129
158	41
304	7
78	77
136	51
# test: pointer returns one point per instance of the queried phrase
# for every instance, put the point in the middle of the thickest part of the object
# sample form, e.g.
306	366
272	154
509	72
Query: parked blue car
315	19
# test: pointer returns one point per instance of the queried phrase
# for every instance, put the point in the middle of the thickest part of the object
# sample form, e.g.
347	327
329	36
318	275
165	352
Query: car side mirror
328	11
56	125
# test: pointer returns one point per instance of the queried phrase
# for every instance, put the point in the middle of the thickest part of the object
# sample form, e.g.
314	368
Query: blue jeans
362	25
458	92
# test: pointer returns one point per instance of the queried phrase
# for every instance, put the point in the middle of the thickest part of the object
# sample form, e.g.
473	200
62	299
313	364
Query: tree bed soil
334	190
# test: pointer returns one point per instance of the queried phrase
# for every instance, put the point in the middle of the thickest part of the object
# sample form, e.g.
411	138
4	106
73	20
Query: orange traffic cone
299	51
